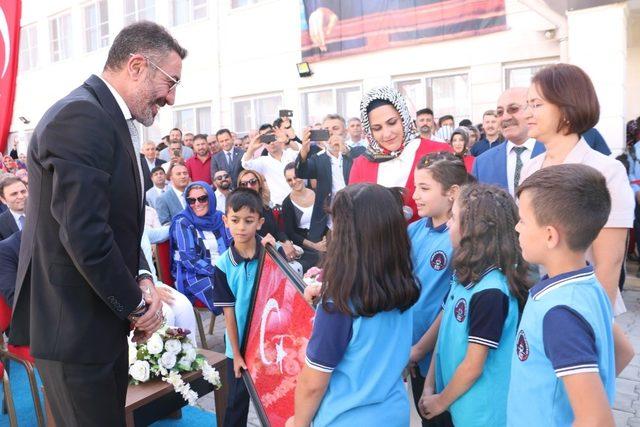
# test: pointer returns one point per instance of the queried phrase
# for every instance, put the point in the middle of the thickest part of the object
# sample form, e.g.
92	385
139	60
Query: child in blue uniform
438	178
361	336
235	274
563	365
481	312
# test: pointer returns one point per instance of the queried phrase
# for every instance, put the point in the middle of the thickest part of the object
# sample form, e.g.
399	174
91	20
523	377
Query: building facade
242	61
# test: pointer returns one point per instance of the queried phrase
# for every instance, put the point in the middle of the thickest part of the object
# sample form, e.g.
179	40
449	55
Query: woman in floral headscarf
394	145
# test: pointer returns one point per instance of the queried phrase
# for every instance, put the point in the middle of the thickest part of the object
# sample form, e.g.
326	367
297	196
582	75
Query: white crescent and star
271	305
6	40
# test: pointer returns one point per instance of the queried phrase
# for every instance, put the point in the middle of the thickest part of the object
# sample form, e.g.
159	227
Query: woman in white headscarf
394	145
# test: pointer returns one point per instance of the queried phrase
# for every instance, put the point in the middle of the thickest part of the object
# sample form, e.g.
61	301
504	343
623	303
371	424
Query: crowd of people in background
298	175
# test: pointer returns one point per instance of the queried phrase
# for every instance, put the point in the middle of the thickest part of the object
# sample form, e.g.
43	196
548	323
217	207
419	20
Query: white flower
139	371
173	346
174	379
211	375
185	364
167	360
190	355
190	396
187	345
155	344
133	353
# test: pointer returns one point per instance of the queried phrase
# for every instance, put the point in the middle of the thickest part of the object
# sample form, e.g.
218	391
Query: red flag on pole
9	50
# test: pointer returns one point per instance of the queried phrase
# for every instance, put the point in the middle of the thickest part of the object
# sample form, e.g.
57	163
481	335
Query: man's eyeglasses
201	199
175	82
511	110
221	177
249	183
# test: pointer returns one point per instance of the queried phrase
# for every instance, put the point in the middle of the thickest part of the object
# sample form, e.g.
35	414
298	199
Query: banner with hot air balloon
275	339
9	48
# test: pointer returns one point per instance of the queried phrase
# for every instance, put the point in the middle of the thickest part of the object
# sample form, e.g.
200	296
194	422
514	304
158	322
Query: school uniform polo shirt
431	254
366	357
566	329
483	313
234	280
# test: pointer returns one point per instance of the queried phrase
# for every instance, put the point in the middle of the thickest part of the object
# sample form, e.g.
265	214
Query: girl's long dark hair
488	216
367	267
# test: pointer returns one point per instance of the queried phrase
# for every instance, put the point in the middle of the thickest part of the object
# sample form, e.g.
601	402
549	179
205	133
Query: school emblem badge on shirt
522	346
438	260
460	310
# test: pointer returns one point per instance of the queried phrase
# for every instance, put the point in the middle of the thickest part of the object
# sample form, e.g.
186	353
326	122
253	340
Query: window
96	26
194	120
28	48
60	35
249	114
520	76
240	3
139	10
317	104
443	94
184	11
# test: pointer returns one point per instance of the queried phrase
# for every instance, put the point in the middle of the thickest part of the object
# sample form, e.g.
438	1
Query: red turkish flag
9	49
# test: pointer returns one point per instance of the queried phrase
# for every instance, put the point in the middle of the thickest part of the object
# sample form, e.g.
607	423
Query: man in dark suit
229	158
9	251
80	258
149	160
13	193
330	167
503	164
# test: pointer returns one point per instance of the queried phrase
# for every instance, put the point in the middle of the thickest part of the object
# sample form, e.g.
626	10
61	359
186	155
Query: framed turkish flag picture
275	340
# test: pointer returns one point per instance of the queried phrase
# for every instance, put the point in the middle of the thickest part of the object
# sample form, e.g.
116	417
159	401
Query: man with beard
222	183
214	145
199	166
78	273
175	136
502	165
492	134
426	125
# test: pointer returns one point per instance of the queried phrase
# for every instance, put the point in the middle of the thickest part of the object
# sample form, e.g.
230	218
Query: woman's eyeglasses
249	183
201	199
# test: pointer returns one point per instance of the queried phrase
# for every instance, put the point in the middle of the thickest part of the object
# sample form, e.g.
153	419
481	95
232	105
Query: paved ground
627	404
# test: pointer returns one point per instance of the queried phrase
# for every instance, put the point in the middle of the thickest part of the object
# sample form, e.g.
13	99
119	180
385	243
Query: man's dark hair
146	38
428	111
8	180
289	166
572	198
200	136
244	198
178	129
157	169
170	171
265	126
465	123
222	132
445	117
570	89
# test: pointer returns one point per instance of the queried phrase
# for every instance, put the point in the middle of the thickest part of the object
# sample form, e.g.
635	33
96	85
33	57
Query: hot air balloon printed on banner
278	330
9	48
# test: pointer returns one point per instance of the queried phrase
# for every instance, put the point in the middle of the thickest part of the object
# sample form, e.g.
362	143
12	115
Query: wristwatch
139	311
143	276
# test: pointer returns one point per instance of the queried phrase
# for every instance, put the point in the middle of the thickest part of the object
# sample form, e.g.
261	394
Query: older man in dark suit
149	161
80	258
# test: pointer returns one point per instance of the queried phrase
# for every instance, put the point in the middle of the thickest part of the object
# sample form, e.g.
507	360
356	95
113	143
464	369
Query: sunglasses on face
221	177
249	182
511	109
201	199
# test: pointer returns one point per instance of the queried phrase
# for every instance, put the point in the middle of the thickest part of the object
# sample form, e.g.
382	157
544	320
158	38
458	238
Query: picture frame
278	328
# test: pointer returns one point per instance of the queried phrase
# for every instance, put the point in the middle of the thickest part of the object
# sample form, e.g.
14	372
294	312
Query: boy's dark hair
487	220
572	198
244	198
446	168
570	89
424	111
146	38
367	266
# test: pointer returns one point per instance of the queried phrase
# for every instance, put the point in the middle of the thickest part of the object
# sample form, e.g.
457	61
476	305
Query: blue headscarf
212	220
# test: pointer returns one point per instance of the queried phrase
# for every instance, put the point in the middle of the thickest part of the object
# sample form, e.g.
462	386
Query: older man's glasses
167	75
201	199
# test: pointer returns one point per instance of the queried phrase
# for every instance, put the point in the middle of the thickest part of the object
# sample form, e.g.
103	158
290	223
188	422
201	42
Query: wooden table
154	400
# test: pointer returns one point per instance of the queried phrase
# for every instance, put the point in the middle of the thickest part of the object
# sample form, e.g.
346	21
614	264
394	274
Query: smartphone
285	113
320	135
267	138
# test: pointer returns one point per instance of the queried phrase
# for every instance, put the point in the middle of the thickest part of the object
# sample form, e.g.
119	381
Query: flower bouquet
165	355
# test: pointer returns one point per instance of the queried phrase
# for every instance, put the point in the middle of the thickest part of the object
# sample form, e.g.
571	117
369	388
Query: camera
267	138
